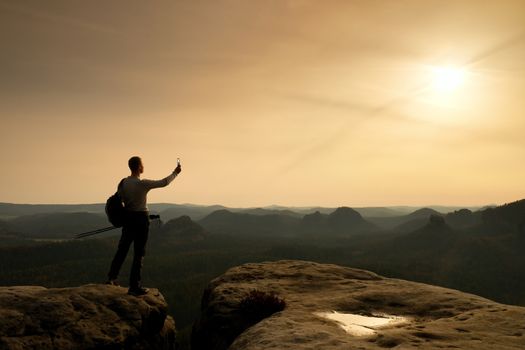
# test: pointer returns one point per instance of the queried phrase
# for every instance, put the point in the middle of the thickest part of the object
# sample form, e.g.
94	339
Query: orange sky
266	102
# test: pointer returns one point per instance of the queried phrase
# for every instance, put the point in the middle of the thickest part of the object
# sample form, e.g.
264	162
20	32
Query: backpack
115	210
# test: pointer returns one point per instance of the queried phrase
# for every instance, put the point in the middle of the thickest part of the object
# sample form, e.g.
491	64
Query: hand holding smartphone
178	169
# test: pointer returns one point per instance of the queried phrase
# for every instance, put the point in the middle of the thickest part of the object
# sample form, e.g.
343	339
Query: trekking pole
94	232
109	228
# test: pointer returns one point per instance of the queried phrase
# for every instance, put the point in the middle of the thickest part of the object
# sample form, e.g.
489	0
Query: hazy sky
286	102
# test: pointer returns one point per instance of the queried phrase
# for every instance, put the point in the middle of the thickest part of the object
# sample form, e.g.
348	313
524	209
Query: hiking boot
138	291
113	283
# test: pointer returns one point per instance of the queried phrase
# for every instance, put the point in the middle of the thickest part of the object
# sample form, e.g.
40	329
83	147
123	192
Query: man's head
135	165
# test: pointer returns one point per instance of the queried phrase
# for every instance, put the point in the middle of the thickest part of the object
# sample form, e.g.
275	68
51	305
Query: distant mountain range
63	221
228	222
56	225
197	212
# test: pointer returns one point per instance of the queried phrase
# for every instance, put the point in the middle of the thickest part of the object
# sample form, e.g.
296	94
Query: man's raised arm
150	184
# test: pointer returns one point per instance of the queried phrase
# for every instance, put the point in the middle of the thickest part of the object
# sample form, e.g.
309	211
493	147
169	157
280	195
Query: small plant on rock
258	305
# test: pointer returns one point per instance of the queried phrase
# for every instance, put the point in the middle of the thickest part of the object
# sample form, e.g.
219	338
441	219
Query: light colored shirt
134	191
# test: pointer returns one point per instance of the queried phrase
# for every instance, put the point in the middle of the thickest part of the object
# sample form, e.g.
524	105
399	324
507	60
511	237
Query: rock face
342	221
182	229
86	317
435	317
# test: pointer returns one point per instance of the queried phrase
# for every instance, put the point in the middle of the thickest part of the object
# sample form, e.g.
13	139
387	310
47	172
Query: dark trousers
135	229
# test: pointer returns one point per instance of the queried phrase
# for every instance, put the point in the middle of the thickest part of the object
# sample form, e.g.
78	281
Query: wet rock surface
87	317
438	317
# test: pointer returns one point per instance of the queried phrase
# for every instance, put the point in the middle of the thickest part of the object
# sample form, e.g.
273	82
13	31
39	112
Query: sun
448	78
446	90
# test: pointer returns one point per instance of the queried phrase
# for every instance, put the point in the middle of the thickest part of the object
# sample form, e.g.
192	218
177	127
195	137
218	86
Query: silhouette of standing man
133	190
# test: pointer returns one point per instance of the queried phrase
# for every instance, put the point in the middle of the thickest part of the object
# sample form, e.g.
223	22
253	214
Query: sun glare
448	79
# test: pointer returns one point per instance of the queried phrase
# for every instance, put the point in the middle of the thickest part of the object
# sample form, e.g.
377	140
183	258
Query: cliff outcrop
87	317
333	307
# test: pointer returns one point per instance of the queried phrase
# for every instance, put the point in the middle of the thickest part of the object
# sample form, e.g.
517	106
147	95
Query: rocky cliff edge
430	317
86	317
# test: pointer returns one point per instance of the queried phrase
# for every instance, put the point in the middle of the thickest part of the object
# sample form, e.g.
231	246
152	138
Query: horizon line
280	205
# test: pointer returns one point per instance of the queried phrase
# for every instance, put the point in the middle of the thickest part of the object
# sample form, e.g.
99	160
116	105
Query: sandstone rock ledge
86	317
438	317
